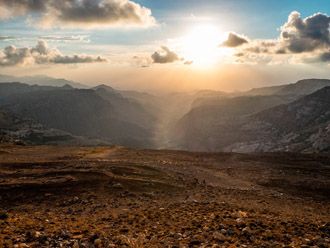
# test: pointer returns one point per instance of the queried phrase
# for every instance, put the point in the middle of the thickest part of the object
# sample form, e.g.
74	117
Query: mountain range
42	80
259	124
94	113
292	117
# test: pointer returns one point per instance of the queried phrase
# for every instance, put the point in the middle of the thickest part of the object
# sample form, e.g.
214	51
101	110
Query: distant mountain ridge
81	112
302	87
292	117
42	81
299	126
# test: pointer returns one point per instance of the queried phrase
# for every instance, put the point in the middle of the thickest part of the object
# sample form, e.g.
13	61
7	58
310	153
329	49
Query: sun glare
201	45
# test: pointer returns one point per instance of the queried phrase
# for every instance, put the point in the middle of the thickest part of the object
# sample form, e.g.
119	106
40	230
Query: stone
4	216
195	243
242	214
117	186
98	243
76	245
219	236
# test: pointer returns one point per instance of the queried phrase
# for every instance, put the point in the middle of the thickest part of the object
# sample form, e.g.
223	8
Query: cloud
79	13
41	54
325	57
263	46
297	35
188	62
73	38
141	61
5	38
234	40
301	40
165	56
304	35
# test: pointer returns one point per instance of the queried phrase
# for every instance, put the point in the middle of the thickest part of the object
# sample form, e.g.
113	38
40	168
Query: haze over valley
292	117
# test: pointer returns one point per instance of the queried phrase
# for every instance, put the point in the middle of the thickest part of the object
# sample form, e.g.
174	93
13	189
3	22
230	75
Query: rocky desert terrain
118	197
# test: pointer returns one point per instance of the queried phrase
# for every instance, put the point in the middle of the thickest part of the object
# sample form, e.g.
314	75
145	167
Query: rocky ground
117	197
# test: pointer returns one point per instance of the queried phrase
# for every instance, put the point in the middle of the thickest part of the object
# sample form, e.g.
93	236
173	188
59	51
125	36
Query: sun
201	45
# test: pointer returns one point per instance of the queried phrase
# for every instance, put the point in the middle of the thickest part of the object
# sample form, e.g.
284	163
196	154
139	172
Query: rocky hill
89	113
252	126
29	132
211	126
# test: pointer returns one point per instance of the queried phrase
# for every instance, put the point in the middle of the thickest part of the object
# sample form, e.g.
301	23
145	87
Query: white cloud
301	40
164	56
235	40
41	54
79	13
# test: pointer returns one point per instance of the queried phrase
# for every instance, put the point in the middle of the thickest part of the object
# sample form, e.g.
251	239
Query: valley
287	118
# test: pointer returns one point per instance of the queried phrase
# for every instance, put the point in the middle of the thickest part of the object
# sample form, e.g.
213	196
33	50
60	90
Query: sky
170	45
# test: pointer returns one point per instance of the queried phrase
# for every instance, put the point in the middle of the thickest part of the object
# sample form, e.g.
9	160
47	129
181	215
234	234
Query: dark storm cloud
165	56
305	35
234	40
41	54
79	13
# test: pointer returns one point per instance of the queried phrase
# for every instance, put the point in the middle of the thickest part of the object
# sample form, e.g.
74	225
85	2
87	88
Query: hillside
21	131
80	112
209	127
303	125
128	108
252	126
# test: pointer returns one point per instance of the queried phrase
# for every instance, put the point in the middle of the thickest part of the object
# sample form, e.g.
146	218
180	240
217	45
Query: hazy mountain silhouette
293	117
302	87
82	112
42	81
27	131
127	109
250	124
